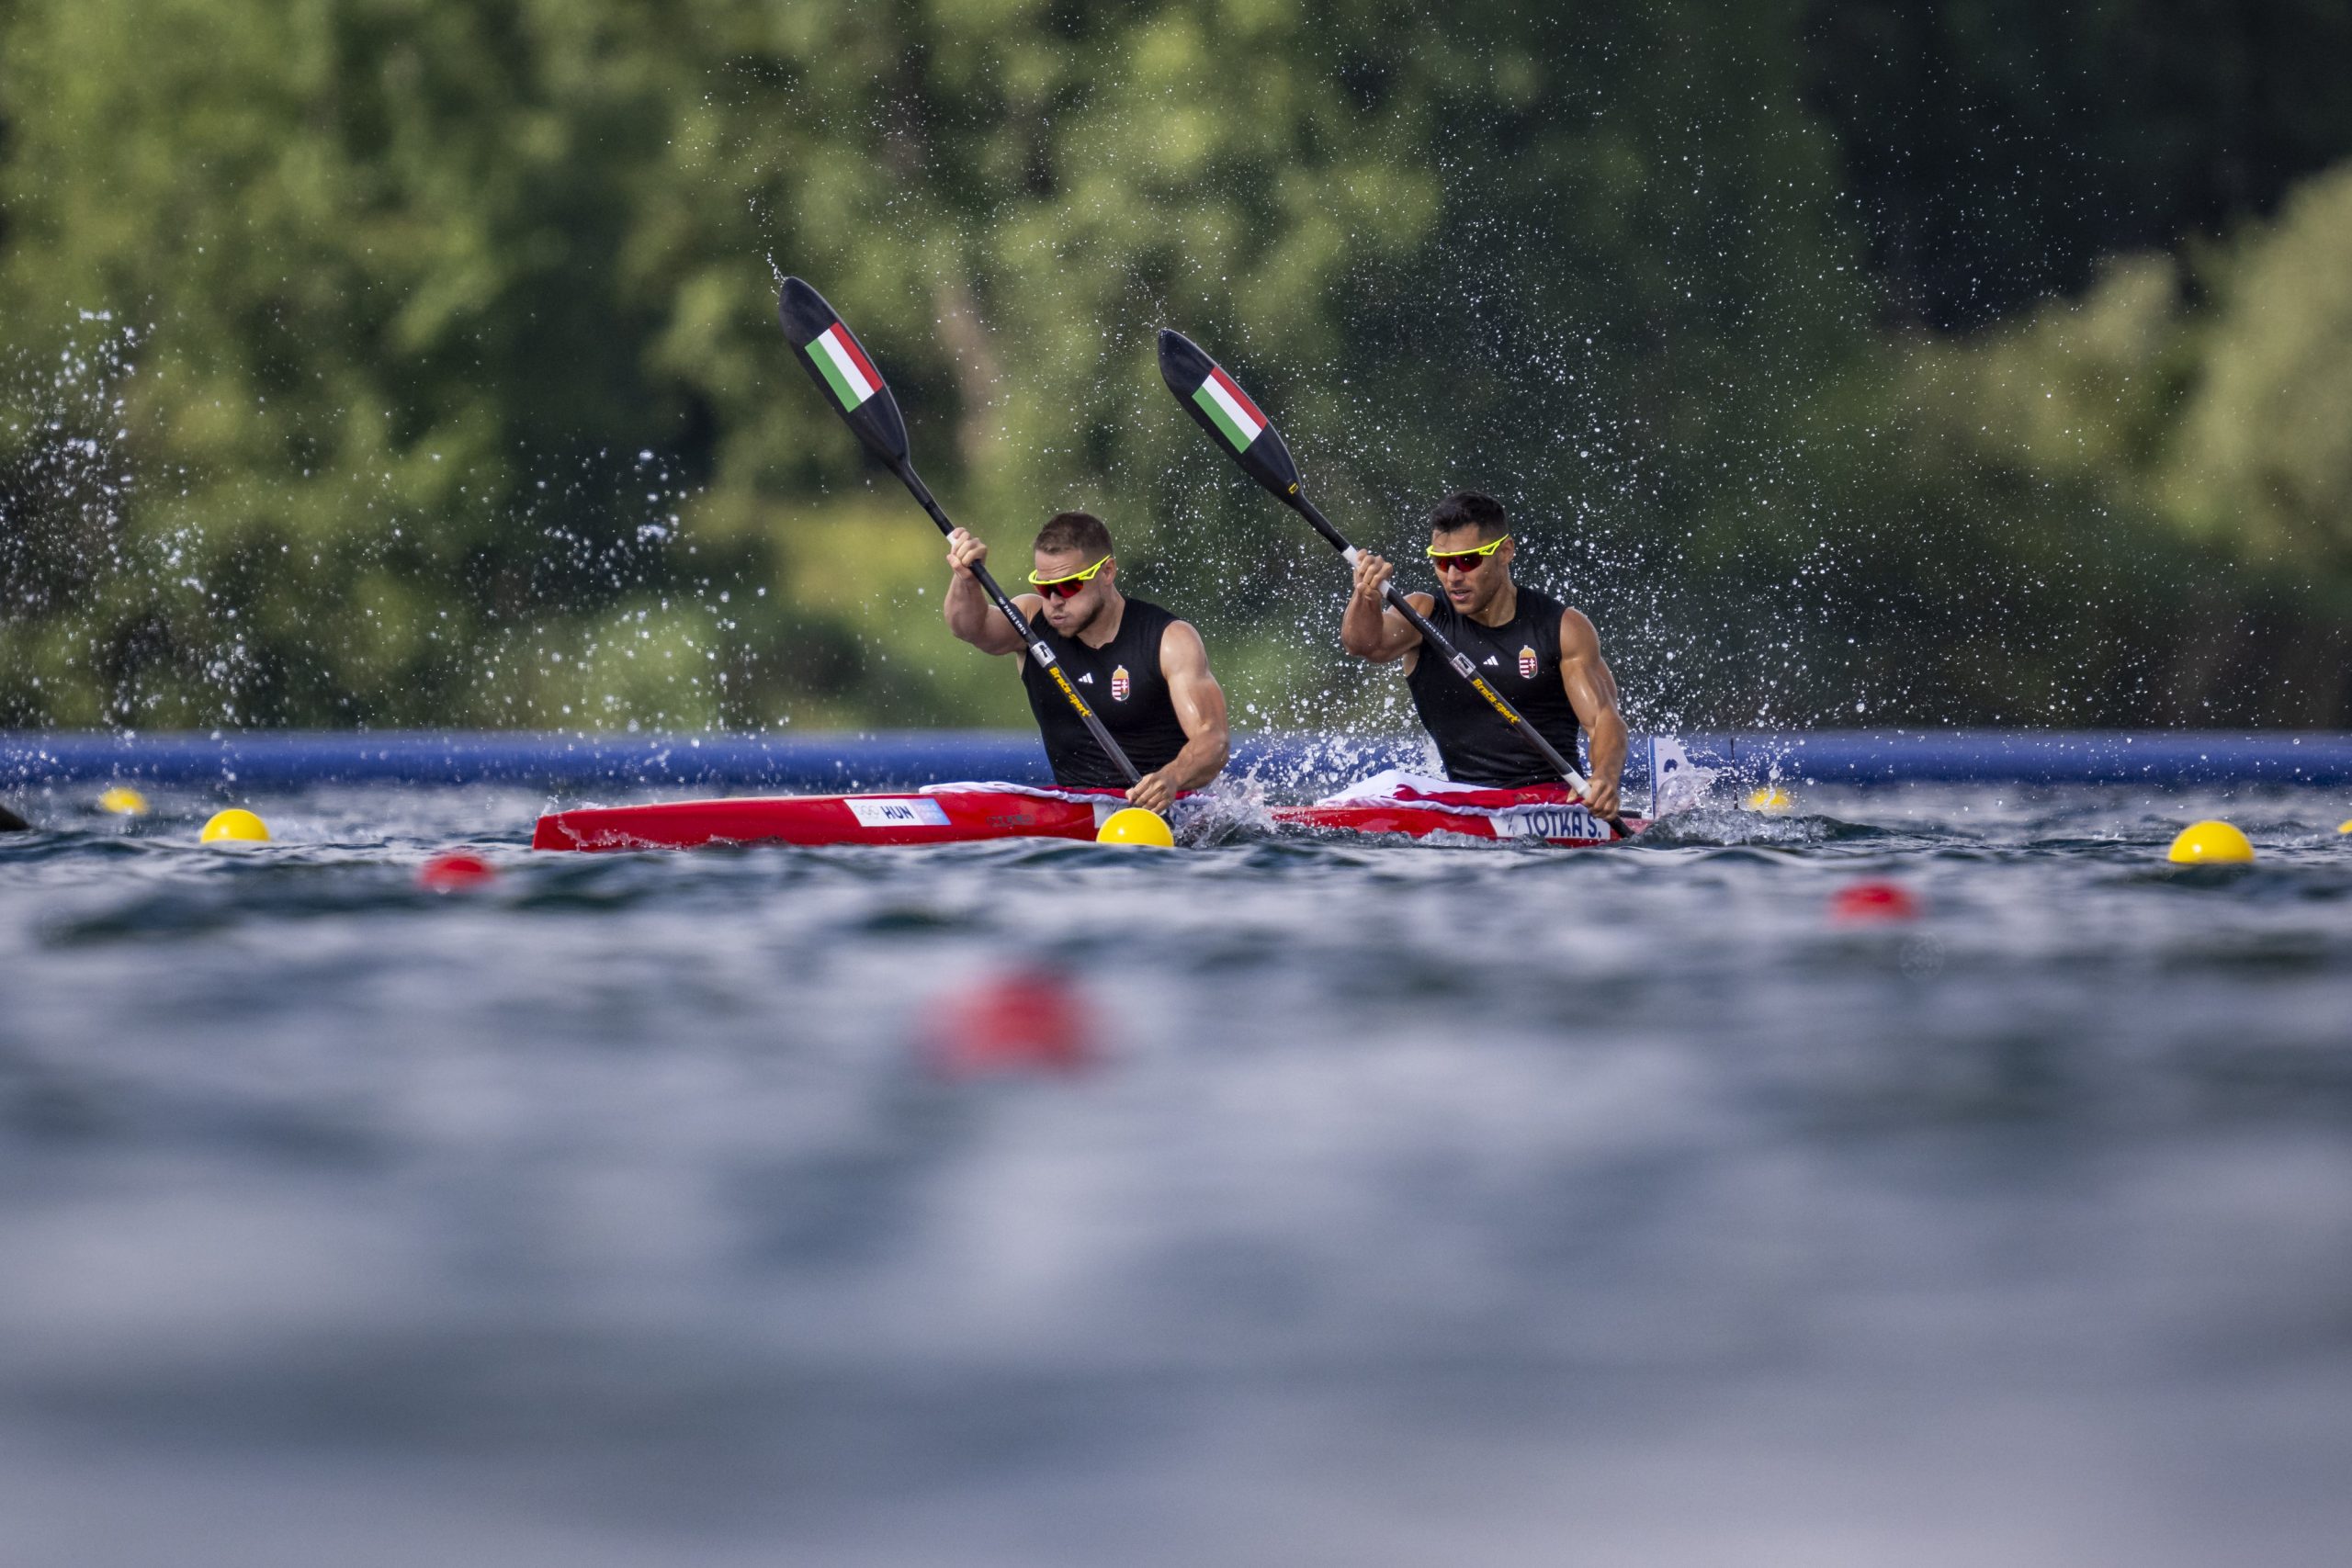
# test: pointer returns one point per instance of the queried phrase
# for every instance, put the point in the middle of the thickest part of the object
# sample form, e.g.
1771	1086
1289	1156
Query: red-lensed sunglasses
1065	587
1464	561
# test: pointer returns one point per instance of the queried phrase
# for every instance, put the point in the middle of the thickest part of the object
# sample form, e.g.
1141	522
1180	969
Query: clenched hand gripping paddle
830	353
1225	410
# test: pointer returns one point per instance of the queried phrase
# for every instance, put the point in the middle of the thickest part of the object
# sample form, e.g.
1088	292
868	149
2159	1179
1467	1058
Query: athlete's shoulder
1577	631
1181	644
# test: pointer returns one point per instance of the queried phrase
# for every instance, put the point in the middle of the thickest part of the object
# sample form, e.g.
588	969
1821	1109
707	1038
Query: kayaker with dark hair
1544	657
1144	672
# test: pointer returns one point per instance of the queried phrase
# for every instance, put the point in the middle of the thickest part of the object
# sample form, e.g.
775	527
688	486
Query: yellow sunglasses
1463	560
1065	587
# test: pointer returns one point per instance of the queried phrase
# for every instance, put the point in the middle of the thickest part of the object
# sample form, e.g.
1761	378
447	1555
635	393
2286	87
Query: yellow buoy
235	824
123	801
1771	797
1133	825
2344	828
2210	842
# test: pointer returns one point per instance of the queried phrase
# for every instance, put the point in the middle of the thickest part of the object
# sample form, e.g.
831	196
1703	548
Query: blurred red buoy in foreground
1030	1020
1865	901
452	872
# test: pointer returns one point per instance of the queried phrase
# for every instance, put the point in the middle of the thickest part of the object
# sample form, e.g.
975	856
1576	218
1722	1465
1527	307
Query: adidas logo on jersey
1493	661
1087	679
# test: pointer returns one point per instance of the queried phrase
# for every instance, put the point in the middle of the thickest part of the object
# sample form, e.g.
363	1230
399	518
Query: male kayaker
1143	671
1544	657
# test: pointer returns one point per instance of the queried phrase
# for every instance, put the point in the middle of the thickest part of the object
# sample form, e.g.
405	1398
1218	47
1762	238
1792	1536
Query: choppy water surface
1421	1205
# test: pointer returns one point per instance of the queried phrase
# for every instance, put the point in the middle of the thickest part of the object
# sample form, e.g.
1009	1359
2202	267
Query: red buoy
1030	1020
454	872
1861	902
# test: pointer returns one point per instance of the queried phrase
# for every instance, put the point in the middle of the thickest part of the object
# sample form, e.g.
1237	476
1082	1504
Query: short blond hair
1080	531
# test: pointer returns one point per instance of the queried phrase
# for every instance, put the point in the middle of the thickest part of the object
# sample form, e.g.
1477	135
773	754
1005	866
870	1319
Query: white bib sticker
910	811
1547	822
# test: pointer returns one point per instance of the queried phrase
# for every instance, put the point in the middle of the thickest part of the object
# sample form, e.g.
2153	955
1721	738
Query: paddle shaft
1446	650
1035	645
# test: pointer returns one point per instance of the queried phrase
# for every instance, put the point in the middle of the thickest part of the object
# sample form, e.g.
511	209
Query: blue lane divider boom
896	758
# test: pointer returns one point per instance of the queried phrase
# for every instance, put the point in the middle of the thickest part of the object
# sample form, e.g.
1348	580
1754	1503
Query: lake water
1408	1204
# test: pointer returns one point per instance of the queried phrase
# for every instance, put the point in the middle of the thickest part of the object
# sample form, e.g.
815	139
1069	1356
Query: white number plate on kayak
1547	822
913	811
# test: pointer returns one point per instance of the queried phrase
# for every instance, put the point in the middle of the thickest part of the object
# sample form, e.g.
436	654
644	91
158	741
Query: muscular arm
1368	627
1200	709
1592	692
970	615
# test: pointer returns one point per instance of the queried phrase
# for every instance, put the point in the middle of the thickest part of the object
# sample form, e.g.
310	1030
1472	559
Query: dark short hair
1470	509
1080	531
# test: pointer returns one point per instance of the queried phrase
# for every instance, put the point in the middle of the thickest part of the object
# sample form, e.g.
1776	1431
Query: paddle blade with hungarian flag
838	364
1225	410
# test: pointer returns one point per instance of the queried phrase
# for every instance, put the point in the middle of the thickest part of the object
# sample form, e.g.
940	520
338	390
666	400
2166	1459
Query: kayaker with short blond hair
1144	672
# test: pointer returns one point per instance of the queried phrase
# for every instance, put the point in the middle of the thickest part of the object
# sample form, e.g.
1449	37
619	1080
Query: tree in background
1996	149
2189	421
387	361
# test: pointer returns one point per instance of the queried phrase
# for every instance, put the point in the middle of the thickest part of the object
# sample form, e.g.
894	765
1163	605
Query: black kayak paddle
830	352
1216	400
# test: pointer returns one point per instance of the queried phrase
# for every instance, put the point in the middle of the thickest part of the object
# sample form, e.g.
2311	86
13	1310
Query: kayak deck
943	816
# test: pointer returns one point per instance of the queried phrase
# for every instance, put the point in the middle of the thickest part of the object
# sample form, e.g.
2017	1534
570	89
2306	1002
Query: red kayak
931	817
952	814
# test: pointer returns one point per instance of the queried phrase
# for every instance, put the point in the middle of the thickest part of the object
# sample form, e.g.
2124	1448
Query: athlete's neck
1502	608
1098	632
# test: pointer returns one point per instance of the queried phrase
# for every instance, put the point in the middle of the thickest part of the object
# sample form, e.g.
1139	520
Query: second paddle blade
1225	410
834	359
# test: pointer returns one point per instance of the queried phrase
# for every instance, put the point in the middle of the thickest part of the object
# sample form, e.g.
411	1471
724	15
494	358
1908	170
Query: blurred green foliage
387	361
1997	149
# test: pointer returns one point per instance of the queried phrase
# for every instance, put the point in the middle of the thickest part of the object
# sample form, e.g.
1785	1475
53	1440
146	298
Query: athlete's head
1465	525
1069	544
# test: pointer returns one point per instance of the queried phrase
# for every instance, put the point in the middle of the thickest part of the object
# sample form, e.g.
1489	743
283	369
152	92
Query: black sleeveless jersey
1521	660
1121	683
